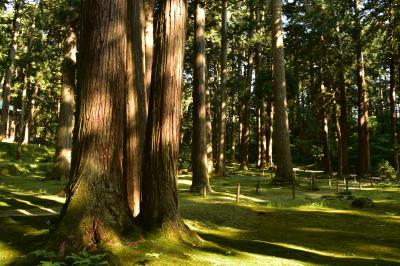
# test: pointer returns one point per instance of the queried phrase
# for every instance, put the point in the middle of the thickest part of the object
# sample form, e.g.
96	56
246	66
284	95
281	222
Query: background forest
121	105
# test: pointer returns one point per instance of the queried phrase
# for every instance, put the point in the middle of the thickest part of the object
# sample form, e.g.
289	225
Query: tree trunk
96	211
220	168
210	160
136	104
325	130
62	156
270	131
4	120
199	141
159	205
32	112
393	114
148	43
364	158
338	139
261	137
284	171
233	133
21	124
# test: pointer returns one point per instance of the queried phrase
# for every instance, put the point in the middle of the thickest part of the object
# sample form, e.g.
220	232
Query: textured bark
199	141
159	205
261	132
96	211
62	156
364	157
233	132
4	120
21	124
32	112
325	131
284	171
339	143
136	104
220	168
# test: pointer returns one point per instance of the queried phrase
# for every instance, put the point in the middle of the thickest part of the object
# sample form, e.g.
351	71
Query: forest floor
267	227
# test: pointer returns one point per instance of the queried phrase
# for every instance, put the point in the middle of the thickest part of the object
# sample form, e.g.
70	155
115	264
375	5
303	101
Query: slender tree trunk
325	131
4	120
32	112
233	133
210	160
222	110
284	171
270	131
62	156
159	205
96	211
136	104
21	124
261	137
364	158
393	114
199	141
336	110
148	43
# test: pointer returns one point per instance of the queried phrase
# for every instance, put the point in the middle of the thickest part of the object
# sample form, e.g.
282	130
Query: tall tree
96	210
199	142
220	168
364	157
4	121
284	171
159	201
62	156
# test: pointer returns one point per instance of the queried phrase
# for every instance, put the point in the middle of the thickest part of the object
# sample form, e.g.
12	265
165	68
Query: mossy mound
363	203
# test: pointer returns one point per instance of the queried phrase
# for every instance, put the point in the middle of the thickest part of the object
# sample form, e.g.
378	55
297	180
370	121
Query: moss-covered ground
264	228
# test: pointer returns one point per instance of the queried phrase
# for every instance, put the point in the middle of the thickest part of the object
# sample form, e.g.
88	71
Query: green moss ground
266	228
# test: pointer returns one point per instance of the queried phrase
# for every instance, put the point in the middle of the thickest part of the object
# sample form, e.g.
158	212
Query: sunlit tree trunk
96	212
4	120
159	205
148	43
325	129
364	157
62	156
210	158
284	171
270	131
32	112
21	124
220	168
261	130
336	110
136	103
199	141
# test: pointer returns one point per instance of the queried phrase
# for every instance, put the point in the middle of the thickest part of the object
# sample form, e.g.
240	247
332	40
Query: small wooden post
258	186
312	182
293	189
330	182
360	185
337	186
347	184
237	193
204	192
294	178
372	181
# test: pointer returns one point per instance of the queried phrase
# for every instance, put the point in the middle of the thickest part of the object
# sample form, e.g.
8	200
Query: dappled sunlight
8	254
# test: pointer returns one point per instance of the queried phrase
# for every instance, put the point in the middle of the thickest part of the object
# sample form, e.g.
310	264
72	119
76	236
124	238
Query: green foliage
83	258
386	170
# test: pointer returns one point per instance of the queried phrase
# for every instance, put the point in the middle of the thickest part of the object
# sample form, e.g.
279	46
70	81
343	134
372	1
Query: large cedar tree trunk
199	142
97	211
4	120
284	171
220	168
62	156
159	205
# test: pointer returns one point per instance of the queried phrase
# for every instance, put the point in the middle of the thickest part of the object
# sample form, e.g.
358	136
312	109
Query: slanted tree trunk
96	211
284	171
4	119
220	168
159	204
62	156
364	157
199	142
136	104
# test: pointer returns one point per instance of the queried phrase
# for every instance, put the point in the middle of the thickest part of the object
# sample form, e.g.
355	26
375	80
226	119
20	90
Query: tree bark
199	142
364	157
62	156
393	114
4	120
148	43
96	211
270	131
325	129
159	204
220	168
210	160
136	103
284	171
